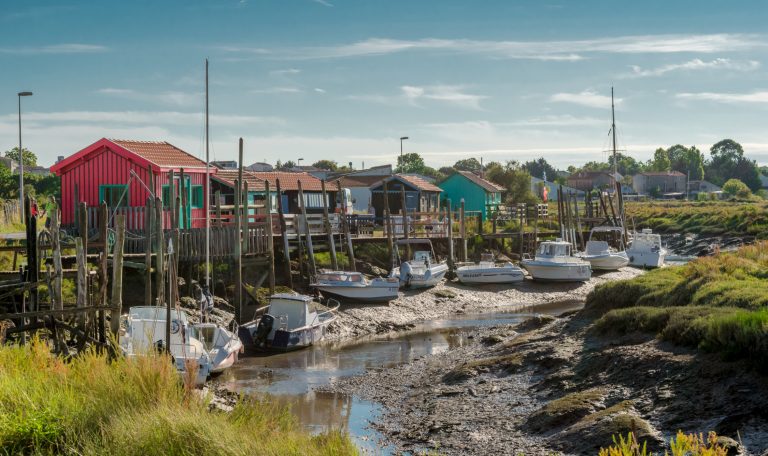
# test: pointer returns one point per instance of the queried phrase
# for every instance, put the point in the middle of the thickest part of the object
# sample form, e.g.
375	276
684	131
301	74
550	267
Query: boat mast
613	130
207	191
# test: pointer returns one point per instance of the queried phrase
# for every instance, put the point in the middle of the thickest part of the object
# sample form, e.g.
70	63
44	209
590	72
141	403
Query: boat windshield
340	277
614	238
551	250
155	313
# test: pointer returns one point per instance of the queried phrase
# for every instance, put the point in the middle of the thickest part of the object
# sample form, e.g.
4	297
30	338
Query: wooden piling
521	213
58	271
270	238
149	213
345	227
103	298
117	276
328	229
388	225
246	219
308	233
217	201
82	282
159	241
463	231
404	213
449	219
284	235
238	238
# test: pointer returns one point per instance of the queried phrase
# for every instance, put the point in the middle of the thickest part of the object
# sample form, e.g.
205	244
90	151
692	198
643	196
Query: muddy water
291	377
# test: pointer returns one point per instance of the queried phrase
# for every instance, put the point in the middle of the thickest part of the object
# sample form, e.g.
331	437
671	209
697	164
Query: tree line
34	184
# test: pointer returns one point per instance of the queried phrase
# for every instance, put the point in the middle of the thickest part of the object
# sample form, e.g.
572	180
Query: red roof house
103	172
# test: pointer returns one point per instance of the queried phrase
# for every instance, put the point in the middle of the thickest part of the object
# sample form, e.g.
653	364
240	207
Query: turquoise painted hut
479	194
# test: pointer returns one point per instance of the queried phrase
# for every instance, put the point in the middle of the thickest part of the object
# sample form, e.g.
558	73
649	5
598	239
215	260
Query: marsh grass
91	405
702	217
717	303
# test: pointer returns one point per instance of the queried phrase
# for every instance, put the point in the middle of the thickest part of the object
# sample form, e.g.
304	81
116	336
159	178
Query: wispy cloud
694	65
752	97
324	3
276	90
319	90
168	97
66	48
538	50
415	95
140	118
587	98
285	72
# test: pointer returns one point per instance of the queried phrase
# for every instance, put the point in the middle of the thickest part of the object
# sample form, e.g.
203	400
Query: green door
185	216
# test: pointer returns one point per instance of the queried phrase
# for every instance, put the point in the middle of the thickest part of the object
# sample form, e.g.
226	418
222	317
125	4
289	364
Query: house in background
537	186
10	164
103	172
289	189
669	183
479	195
420	195
224	180
701	186
260	167
224	164
359	184
588	180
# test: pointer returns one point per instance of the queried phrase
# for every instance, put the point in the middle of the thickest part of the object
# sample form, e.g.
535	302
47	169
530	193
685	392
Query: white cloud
276	90
319	90
587	98
539	50
65	48
414	95
168	97
324	3
695	65
753	97
285	72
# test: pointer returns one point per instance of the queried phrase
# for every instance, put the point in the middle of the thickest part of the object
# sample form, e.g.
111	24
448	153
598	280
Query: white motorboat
554	262
223	346
646	251
605	248
423	270
487	271
291	321
354	286
145	332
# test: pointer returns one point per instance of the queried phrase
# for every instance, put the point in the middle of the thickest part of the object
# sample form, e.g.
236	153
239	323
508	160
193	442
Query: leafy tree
290	164
514	178
660	160
596	166
30	159
329	165
736	188
433	173
686	160
538	167
447	170
625	165
468	164
728	162
410	163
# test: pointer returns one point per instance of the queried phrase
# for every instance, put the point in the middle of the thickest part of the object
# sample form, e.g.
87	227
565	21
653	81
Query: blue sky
344	79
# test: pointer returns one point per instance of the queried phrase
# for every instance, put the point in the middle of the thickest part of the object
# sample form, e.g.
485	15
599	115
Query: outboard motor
405	274
266	323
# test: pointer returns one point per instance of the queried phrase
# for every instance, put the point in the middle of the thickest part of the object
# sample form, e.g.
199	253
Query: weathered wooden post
270	238
284	235
388	225
103	298
345	226
117	276
56	296
82	281
217	200
308	233
578	220
328	229
404	214
183	206
149	218
536	228
238	237
159	240
246	218
521	213
449	217
463	231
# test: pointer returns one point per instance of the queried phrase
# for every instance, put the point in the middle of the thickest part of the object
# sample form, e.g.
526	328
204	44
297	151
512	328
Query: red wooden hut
102	172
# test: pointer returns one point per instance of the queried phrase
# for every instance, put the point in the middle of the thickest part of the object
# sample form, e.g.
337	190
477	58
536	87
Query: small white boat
423	270
605	248
291	321
554	262
223	346
487	271
646	251
145	332
354	286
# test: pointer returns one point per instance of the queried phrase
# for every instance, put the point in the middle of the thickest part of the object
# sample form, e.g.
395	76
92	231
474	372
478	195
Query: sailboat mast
207	190
613	130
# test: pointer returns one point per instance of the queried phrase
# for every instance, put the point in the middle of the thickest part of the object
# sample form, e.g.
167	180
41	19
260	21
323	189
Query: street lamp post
21	159
401	144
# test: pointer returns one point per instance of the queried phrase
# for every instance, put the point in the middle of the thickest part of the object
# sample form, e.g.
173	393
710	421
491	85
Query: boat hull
647	259
558	272
360	294
608	261
479	276
429	278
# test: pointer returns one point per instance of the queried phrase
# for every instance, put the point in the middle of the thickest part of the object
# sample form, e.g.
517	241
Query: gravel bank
451	297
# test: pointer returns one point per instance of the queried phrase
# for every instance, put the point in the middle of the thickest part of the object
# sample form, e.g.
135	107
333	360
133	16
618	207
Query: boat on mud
645	250
423	269
554	262
355	287
487	271
605	248
206	347
291	321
